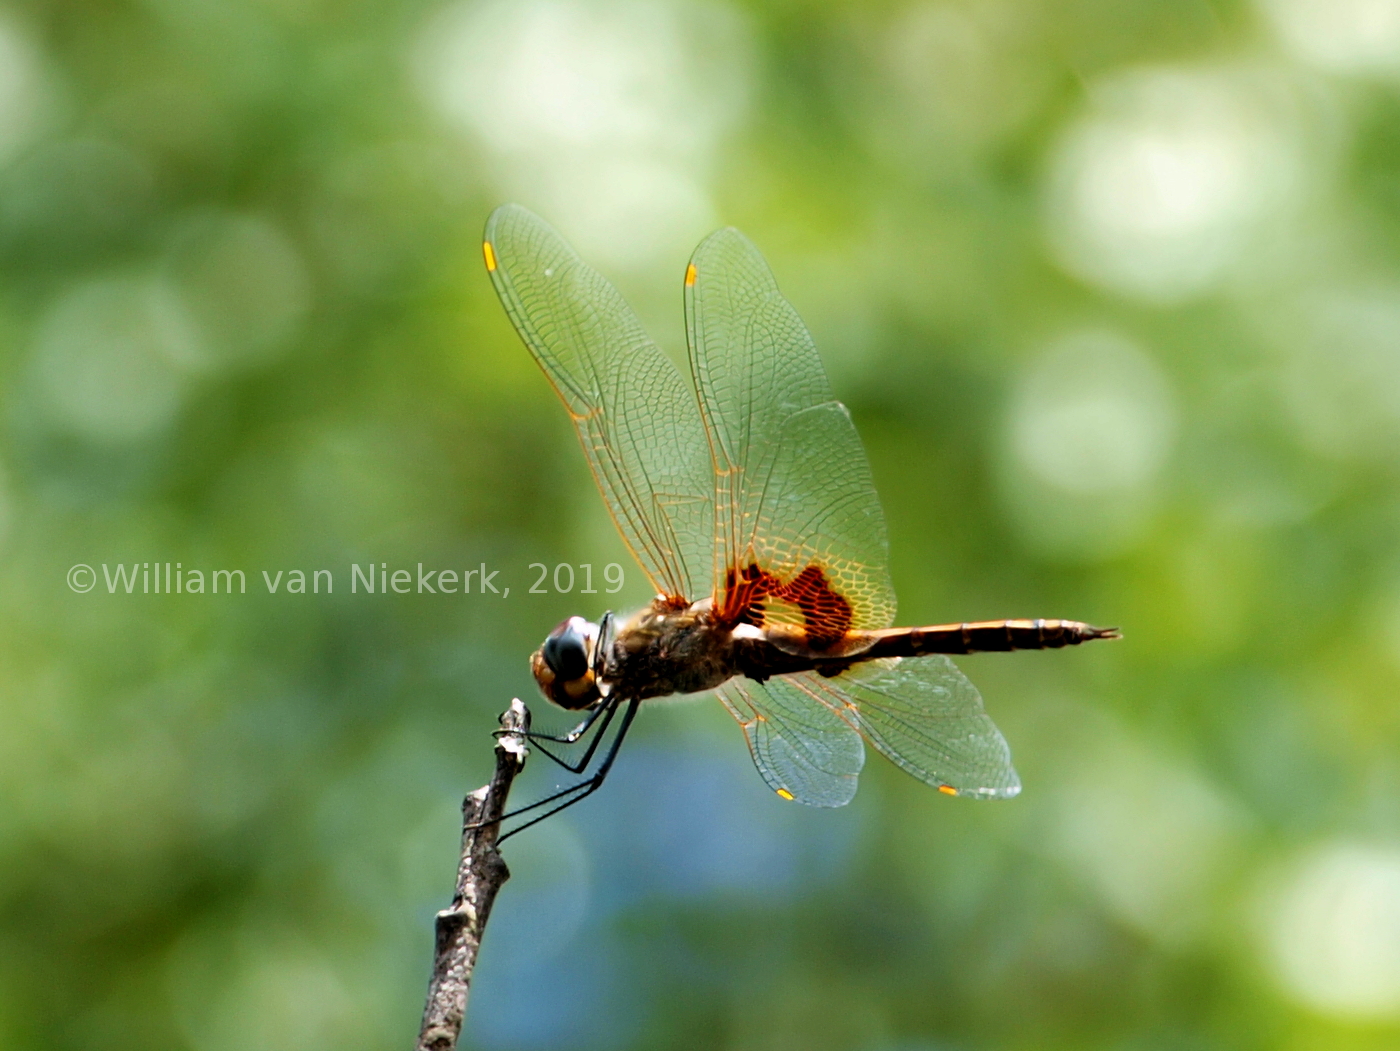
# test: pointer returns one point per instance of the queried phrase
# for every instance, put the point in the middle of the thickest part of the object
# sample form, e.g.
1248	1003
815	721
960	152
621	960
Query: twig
480	873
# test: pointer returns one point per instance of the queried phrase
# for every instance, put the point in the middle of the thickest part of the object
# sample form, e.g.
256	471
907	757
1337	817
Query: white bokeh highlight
947	82
1340	371
244	283
605	115
1339	36
1093	414
1150	835
110	357
1165	183
1089	431
23	94
1330	931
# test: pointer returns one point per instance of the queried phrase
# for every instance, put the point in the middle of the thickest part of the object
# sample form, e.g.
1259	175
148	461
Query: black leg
570	737
583	788
599	734
602	770
592	747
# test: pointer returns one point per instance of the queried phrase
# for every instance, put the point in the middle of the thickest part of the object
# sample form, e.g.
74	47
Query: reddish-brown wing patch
826	615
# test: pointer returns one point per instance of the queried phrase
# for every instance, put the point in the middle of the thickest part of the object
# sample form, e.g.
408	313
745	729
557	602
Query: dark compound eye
566	652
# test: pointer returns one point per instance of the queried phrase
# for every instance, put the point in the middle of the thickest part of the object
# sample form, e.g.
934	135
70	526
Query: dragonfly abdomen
985	636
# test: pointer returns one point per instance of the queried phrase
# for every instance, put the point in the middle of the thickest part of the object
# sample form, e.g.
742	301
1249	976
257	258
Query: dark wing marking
794	493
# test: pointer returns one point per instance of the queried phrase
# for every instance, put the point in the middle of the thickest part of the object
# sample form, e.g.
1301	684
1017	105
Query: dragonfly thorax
666	649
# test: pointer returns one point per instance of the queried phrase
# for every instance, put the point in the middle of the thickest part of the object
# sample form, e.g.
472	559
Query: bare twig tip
515	722
480	872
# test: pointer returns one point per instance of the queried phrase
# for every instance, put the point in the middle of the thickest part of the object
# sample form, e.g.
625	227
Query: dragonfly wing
924	715
805	751
799	534
635	415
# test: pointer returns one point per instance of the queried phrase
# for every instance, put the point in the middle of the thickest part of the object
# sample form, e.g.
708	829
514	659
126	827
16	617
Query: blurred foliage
1112	288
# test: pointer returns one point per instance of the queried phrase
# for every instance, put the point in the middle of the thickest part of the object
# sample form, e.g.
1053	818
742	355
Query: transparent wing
799	534
804	751
923	714
635	415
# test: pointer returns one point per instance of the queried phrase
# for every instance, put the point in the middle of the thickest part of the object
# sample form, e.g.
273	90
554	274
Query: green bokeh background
1112	289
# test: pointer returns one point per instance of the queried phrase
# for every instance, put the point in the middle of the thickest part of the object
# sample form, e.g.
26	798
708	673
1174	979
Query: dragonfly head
563	666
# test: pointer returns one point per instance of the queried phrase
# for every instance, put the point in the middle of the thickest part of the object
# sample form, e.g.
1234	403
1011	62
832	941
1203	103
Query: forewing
924	715
803	749
794	493
636	418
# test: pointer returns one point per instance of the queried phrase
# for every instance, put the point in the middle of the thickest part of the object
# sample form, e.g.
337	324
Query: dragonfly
746	497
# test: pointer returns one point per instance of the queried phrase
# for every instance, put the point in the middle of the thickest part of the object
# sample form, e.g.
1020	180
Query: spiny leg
598	735
583	788
582	784
566	738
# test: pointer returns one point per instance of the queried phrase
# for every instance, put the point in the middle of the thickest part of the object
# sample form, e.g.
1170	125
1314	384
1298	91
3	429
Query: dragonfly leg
580	790
564	738
572	736
583	788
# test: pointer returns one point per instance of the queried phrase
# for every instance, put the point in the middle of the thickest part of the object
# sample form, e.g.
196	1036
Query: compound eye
566	652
